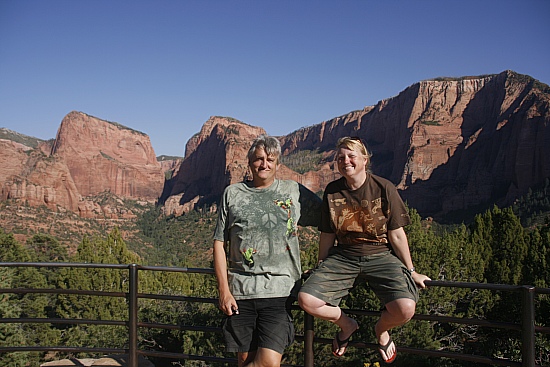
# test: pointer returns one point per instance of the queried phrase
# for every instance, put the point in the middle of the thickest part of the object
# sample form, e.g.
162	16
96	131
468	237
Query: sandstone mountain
215	158
88	157
450	145
122	158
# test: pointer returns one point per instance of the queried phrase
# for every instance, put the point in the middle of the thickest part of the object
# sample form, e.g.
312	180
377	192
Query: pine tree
505	254
47	248
27	305
10	334
112	250
537	273
509	248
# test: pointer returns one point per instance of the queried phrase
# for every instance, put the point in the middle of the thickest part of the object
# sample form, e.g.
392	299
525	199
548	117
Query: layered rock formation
214	158
452	144
449	145
104	156
30	176
217	157
88	157
169	165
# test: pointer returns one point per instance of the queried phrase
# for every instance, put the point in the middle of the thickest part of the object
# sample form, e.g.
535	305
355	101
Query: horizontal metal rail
527	326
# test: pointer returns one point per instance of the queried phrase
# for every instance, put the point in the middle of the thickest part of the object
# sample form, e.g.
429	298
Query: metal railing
527	327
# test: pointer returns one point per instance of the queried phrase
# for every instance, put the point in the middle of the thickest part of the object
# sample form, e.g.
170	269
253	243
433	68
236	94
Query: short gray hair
269	144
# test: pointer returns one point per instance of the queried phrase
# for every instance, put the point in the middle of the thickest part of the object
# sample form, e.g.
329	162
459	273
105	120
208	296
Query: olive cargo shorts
386	275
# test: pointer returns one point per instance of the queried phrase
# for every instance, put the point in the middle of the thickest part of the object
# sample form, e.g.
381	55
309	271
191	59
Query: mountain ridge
448	144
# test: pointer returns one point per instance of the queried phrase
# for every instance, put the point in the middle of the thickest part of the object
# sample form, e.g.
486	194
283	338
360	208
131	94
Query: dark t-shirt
361	218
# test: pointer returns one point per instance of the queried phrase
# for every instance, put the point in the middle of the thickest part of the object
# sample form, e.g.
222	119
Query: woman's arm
326	242
400	245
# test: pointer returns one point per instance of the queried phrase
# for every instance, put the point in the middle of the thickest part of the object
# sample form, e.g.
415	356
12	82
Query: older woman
366	216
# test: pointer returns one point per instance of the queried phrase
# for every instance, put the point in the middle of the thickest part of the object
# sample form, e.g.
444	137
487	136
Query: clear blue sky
164	67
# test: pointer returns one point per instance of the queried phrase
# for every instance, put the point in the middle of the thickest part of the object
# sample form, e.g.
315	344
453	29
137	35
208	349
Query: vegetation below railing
132	322
495	248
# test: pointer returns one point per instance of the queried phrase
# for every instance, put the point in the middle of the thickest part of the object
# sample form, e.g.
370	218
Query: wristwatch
412	270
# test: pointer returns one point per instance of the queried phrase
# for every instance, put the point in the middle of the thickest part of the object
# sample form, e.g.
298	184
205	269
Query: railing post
528	326
132	316
308	340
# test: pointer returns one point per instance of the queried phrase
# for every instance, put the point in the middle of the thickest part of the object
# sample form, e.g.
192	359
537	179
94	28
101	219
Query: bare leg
395	314
245	357
263	357
320	309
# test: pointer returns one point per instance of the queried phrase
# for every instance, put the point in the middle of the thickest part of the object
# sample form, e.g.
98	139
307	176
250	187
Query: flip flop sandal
384	348
341	343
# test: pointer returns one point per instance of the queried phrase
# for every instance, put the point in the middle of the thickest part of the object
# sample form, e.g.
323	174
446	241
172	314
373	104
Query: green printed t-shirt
260	227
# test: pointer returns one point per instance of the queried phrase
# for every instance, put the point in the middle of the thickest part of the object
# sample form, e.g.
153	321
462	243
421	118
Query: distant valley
452	146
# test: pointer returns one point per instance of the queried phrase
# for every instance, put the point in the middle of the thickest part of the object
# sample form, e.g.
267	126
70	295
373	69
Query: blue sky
164	67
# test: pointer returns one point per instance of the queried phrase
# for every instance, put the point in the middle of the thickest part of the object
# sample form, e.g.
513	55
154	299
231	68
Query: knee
244	358
403	309
407	310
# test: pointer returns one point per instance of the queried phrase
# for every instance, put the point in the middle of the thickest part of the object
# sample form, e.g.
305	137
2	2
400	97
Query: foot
339	346
388	351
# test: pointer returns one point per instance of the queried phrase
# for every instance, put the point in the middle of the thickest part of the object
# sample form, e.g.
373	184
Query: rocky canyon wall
448	144
451	144
88	157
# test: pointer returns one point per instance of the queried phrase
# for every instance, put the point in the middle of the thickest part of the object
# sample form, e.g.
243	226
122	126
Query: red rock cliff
104	156
217	157
449	145
89	157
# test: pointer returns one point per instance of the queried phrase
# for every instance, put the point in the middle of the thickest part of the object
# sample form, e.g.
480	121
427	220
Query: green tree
509	248
11	334
112	250
502	241
47	248
29	305
537	273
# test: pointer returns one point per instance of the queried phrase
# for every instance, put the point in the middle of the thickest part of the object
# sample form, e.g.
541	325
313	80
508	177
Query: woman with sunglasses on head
362	233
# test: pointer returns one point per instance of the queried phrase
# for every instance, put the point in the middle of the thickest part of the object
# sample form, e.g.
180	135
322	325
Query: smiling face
351	163
263	166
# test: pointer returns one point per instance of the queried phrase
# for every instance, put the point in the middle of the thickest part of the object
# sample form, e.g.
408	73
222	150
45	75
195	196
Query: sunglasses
357	139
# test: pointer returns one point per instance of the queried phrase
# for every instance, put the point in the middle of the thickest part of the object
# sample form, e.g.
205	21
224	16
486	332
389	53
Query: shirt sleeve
220	232
325	224
310	207
399	216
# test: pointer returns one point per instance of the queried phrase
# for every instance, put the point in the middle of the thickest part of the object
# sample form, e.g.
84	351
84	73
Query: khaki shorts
385	273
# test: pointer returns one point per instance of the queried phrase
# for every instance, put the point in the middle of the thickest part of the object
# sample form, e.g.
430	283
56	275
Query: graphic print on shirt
291	229
267	218
353	218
